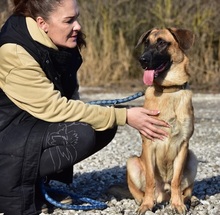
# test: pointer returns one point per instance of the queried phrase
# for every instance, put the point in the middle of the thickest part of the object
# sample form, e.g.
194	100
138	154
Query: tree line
114	26
112	29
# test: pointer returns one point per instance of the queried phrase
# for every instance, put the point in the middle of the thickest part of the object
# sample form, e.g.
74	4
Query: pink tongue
148	77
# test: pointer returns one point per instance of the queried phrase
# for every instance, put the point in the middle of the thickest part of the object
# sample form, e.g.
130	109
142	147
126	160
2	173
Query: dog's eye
161	42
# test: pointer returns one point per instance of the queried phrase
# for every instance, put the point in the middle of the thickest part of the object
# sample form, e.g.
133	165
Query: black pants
66	144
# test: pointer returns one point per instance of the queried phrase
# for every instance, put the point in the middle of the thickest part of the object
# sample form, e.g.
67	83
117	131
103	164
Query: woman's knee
66	133
85	135
106	136
67	144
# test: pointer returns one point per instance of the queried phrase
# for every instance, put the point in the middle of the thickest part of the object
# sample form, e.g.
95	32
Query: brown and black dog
165	170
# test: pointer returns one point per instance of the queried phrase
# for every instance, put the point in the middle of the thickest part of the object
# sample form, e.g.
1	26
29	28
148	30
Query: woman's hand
140	118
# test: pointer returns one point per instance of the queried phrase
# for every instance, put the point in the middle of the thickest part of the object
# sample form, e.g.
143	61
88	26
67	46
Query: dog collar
171	89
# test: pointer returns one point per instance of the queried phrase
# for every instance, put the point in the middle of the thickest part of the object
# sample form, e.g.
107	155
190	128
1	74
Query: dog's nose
144	60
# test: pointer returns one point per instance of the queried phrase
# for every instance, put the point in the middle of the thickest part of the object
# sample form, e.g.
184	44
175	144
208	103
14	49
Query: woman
44	128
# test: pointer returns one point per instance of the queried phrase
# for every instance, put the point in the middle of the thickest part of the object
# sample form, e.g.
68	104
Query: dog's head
164	59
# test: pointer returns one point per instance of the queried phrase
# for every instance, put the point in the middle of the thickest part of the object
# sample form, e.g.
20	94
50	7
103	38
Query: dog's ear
143	37
185	38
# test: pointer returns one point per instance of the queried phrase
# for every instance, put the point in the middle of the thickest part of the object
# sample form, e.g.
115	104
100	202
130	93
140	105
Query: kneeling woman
44	127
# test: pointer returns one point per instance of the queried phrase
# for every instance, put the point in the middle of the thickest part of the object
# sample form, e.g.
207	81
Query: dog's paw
142	210
179	208
194	201
145	207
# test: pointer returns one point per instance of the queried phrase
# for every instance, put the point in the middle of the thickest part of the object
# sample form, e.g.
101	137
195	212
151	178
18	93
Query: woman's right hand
142	120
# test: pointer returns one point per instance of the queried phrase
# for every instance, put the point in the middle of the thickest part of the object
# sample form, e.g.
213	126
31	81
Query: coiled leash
90	203
117	101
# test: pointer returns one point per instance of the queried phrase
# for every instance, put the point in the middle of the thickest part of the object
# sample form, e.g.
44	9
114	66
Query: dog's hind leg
187	193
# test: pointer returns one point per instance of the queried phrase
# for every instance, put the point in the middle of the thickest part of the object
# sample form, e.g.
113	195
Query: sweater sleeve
25	84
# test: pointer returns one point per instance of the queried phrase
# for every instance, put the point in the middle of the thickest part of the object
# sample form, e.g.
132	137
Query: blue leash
117	101
90	203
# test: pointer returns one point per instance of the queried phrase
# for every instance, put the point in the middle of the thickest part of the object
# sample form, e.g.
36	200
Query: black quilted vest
20	133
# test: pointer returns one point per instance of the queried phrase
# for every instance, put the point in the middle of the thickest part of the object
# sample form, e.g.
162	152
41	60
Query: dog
166	169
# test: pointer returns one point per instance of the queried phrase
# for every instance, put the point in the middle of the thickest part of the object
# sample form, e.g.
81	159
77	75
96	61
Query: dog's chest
165	103
176	109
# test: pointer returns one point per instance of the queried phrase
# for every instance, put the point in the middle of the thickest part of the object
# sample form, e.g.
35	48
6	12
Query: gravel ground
93	176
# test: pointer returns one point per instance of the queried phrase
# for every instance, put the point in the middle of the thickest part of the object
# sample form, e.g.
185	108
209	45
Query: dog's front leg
176	192
148	164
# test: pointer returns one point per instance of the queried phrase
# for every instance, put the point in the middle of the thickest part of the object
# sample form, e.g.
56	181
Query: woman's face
62	26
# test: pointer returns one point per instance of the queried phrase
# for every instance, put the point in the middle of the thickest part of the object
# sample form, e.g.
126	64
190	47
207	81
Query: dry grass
113	28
